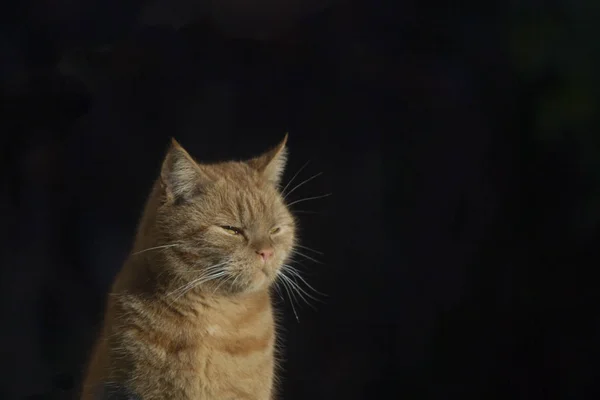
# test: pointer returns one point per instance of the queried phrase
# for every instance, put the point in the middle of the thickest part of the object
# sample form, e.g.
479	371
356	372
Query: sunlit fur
189	315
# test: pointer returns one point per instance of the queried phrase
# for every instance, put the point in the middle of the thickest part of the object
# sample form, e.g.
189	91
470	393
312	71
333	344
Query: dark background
459	139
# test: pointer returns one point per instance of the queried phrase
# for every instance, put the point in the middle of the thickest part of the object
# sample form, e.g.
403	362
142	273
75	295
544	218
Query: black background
459	141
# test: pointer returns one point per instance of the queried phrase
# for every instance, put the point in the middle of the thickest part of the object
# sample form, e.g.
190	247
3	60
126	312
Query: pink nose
265	254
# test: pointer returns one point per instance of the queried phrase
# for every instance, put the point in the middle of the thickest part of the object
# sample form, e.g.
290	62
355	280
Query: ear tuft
180	175
271	164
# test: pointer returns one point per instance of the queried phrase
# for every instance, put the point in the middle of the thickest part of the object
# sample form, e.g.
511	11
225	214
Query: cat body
189	316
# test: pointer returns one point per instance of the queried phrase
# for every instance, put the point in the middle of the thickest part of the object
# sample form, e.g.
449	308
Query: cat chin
260	282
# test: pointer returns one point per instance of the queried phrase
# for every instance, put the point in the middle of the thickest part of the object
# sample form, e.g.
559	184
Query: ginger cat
189	316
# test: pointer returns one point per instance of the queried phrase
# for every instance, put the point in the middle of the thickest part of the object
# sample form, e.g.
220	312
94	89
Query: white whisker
286	282
208	274
297	274
287	289
278	289
308	198
302	183
235	280
301	293
309	249
294	286
222	282
306	256
156	248
294	177
195	283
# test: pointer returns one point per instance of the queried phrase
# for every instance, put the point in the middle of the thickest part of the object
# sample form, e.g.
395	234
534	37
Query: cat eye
275	230
232	230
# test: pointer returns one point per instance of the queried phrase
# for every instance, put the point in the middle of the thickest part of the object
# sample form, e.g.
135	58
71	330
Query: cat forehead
236	187
239	178
248	195
243	192
233	171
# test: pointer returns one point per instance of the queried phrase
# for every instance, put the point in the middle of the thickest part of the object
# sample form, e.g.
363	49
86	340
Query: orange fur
167	335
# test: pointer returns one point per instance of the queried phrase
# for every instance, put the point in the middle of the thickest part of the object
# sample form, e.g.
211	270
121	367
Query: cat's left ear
271	164
180	176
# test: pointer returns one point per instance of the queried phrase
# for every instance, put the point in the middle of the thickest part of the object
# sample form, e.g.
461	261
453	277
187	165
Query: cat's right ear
181	177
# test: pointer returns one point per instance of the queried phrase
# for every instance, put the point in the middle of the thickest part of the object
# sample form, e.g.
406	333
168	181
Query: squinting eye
275	230
232	230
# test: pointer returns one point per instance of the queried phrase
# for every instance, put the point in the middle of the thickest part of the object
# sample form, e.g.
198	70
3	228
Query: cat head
229	226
